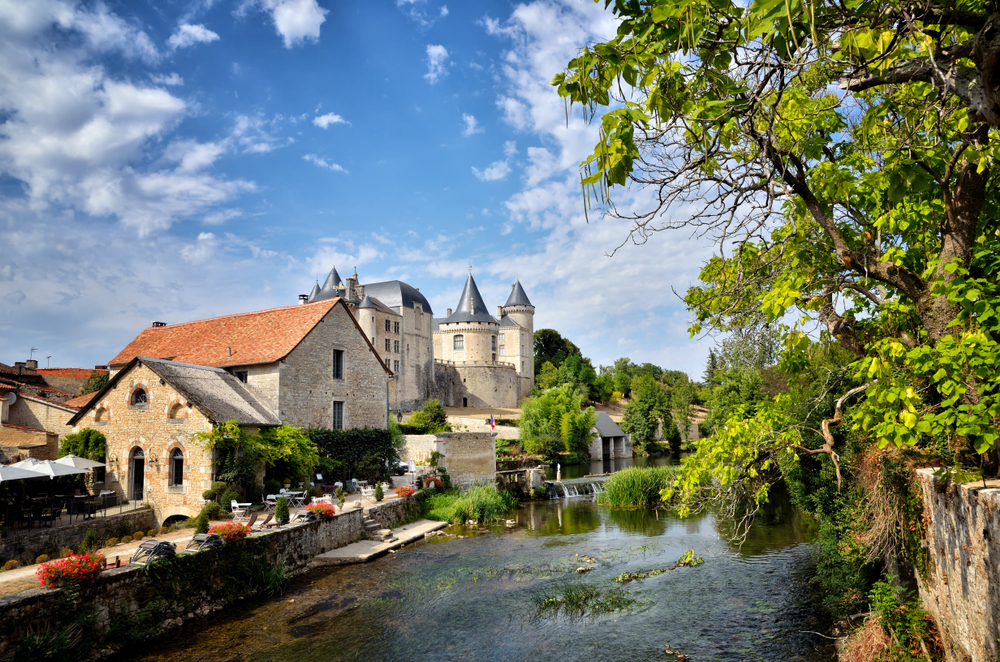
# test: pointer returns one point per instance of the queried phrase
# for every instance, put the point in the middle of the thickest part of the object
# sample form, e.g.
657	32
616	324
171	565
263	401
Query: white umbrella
48	468
413	466
78	462
10	472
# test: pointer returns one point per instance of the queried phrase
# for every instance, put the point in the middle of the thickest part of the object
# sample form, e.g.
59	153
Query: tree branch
827	447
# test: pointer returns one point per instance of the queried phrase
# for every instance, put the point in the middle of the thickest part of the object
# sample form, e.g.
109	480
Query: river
475	598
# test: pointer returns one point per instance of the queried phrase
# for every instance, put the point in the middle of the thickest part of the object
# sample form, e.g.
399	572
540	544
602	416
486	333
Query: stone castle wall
962	590
470	457
308	388
489	385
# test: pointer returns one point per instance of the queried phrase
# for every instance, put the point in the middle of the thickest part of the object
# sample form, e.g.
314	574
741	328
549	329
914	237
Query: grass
481	503
636	487
578	600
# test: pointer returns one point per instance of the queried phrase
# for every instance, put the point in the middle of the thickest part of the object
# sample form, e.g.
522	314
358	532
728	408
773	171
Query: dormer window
242	375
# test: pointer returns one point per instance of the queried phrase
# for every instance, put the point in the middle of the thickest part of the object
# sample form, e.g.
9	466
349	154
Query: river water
475	598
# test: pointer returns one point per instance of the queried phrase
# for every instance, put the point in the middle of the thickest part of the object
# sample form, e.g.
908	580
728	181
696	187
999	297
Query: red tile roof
264	336
76	373
79	401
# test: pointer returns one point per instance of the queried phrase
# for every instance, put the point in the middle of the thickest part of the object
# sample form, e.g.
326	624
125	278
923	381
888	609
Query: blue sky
180	160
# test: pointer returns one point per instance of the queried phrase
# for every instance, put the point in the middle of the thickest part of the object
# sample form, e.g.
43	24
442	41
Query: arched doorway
137	460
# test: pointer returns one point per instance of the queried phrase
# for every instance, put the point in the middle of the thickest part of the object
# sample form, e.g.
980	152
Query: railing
482	363
61	512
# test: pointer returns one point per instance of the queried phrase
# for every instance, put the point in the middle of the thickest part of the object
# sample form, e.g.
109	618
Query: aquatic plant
636	487
481	503
688	559
627	577
579	600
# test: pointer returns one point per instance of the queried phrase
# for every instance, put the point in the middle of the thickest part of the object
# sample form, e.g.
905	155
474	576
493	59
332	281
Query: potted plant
77	567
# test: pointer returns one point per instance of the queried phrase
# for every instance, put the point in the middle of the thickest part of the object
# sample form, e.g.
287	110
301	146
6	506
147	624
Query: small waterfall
576	487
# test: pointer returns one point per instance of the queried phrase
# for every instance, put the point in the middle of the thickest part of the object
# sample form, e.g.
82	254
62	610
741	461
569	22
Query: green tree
644	413
87	443
239	453
94	383
550	346
557	413
431	418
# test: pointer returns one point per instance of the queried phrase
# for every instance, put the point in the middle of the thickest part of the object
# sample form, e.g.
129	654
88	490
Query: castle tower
366	318
470	334
519	342
333	287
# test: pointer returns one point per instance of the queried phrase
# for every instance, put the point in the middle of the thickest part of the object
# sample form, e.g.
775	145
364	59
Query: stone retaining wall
962	590
147	602
26	547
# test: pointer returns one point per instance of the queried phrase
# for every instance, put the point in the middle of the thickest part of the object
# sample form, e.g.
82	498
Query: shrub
88	543
164	530
228	497
138	535
213	492
110	542
152	533
77	567
636	487
201	522
446	481
404	491
271	486
231	531
379	494
66	553
323	511
281	510
213	510
11	565
42	558
125	539
482	503
432	418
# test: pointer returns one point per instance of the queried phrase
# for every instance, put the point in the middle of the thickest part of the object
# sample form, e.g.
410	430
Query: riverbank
127	605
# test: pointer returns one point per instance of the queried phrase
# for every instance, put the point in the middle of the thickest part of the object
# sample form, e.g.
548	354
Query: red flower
323	511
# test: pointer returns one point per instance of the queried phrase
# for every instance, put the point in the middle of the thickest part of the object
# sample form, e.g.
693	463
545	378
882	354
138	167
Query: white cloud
172	79
324	121
437	60
189	35
297	21
471	125
509	149
200	251
323	163
443	11
494	172
221	216
83	140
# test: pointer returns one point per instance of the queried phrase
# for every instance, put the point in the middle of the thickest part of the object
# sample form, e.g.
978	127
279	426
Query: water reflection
609	465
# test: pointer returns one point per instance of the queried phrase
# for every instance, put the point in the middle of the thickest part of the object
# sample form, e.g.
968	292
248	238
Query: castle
466	359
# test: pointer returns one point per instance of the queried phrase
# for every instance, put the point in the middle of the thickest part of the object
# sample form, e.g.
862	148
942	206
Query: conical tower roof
333	287
367	302
314	293
471	307
517	296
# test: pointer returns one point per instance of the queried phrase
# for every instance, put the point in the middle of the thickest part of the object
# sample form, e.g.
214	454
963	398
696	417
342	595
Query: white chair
239	510
270	501
297	499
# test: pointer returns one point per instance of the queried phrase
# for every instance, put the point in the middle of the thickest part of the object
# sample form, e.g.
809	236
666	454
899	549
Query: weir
575	487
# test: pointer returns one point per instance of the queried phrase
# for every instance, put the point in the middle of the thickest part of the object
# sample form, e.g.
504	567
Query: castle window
388	326
395	366
387	344
395	346
503	350
338	364
501	336
395	327
494	359
493	341
139	398
176	467
337	422
459	342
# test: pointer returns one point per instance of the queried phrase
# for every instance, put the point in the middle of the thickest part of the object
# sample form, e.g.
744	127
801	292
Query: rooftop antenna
47	362
32	353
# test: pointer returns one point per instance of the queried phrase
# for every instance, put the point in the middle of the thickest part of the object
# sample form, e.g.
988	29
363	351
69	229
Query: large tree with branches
842	154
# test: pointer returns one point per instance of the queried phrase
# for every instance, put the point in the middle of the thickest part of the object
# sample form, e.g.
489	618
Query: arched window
139	397
177	467
459	342
178	412
101	415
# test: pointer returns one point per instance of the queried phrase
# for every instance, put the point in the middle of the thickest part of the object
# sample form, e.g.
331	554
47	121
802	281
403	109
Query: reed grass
481	503
636	487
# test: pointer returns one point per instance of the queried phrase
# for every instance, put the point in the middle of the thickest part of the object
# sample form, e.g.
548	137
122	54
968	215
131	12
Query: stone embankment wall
481	425
470	457
962	590
26	547
133	602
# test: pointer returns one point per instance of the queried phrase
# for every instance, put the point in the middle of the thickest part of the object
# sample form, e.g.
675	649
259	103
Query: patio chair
253	518
238	510
298	500
153	550
270	501
265	524
202	541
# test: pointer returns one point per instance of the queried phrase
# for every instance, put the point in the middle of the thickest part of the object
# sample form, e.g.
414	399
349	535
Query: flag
493	424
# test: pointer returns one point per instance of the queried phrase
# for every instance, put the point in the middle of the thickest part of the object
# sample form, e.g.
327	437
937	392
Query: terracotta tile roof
76	373
79	401
16	371
263	336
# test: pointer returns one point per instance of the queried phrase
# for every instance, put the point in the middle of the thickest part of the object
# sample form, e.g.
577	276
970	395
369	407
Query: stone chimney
499	312
31	364
303	298
447	312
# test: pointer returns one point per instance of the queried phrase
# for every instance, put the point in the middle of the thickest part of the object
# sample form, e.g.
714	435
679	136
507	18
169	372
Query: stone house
396	319
149	412
33	414
610	441
312	364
